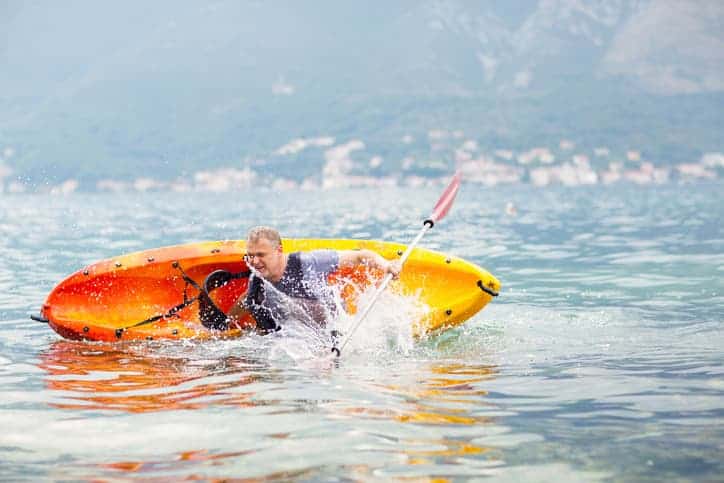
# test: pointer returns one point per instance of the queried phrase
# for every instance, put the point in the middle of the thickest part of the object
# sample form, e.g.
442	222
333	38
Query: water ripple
601	359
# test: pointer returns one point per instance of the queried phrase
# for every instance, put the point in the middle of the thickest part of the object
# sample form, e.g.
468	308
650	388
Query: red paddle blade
446	200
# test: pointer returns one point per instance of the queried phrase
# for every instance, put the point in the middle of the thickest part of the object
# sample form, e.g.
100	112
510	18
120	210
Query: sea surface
601	360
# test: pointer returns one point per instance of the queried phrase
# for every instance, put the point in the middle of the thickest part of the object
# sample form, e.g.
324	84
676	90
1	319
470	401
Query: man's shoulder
320	260
316	253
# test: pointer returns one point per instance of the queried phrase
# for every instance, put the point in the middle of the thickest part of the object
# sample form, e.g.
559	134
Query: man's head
264	252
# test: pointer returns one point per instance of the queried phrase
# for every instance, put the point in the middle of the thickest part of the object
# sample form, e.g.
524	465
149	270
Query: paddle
438	212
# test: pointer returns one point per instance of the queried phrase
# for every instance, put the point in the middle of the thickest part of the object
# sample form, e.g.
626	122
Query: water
603	358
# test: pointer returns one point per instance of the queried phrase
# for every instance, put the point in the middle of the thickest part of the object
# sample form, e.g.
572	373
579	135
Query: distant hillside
96	90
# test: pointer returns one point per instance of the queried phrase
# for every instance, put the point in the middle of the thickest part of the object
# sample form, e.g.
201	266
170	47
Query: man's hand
394	268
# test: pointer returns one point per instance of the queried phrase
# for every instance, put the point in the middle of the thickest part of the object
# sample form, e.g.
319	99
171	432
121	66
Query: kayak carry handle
39	318
487	290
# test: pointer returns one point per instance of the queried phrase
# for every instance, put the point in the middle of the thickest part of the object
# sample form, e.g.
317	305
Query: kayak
153	294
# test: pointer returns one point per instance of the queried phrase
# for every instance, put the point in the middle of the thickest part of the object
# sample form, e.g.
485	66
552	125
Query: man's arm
351	258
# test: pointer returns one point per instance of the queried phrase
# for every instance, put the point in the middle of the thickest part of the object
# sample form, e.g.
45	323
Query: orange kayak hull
107	300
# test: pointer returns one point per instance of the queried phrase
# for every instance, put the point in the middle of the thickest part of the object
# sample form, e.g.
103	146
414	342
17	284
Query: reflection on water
180	460
107	376
440	400
451	397
139	379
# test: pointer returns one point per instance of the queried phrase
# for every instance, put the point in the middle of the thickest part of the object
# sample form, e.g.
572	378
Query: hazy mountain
92	89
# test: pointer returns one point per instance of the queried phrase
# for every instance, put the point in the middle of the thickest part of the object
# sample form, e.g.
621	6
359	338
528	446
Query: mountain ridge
118	89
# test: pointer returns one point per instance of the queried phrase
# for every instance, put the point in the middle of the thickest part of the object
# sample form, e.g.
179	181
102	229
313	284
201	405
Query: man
297	282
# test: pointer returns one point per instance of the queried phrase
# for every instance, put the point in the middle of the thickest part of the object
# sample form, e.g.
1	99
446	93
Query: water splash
389	326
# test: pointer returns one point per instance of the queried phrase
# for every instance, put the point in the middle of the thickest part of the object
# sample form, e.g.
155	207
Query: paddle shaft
381	288
441	209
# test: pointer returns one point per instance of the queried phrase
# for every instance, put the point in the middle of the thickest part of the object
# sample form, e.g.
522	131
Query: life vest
292	284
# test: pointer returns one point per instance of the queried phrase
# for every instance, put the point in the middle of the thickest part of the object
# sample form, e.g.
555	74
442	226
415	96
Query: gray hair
265	232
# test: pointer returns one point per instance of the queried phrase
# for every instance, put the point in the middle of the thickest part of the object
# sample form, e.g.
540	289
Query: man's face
265	258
